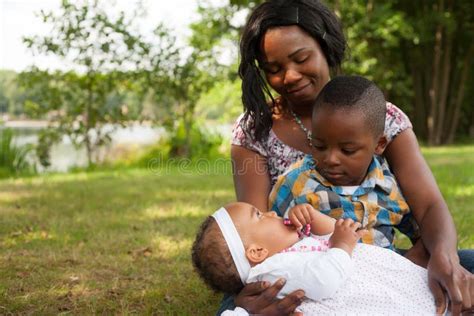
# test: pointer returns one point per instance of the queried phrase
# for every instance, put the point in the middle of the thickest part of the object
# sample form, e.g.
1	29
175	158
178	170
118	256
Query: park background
115	139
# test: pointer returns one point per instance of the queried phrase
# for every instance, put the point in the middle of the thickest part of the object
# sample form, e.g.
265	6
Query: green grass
453	168
117	241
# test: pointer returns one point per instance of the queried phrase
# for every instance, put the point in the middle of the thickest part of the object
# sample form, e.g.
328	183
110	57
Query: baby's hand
346	235
302	214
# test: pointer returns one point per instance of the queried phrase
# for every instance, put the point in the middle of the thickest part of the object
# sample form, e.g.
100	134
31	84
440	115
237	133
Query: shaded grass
111	242
117	242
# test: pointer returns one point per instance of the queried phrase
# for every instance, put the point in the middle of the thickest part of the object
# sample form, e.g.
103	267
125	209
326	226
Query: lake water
65	155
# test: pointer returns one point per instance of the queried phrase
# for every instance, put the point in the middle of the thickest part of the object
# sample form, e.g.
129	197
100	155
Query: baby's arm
303	214
346	235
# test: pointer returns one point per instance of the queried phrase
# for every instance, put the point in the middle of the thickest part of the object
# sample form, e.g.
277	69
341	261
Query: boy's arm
280	196
282	200
409	227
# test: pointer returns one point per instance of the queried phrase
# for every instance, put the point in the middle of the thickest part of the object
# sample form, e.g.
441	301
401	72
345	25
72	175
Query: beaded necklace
303	128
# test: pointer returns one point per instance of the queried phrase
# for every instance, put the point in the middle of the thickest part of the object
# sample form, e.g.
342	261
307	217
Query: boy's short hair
212	259
357	93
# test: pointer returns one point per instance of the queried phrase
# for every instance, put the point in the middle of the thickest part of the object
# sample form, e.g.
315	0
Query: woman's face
294	64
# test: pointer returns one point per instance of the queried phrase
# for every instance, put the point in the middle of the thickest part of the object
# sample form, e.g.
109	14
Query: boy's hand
346	235
302	214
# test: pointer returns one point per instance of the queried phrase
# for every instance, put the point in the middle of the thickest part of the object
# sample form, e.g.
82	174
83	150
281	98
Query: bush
202	143
46	139
160	150
170	148
13	158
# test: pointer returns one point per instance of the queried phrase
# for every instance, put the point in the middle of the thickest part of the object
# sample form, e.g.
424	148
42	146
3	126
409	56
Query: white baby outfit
376	281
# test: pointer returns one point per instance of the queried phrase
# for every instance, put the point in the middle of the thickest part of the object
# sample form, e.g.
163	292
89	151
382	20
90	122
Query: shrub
13	157
202	142
170	148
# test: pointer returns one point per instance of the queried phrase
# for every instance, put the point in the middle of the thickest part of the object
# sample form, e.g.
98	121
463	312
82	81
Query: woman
291	46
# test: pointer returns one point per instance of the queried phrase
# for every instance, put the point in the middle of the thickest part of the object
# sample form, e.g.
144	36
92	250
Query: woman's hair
310	15
212	259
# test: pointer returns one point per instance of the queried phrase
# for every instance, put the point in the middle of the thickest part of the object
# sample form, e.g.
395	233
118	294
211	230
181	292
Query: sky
17	19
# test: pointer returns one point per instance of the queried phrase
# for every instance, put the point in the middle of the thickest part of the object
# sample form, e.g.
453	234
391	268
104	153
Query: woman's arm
251	177
252	185
260	298
431	212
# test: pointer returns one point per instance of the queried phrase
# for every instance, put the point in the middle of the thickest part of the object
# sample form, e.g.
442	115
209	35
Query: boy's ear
381	145
256	254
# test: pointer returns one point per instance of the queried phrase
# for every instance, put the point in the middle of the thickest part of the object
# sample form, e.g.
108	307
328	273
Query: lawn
117	242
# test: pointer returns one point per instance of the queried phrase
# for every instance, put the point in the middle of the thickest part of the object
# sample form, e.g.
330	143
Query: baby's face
343	146
263	228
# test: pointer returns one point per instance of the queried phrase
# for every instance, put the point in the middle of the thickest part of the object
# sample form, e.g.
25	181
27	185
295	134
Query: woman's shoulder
396	121
243	127
243	134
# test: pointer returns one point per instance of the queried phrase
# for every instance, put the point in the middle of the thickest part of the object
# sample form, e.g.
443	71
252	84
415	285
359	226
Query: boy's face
343	145
263	228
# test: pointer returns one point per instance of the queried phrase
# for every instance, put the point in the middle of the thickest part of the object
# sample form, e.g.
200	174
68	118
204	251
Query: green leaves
102	50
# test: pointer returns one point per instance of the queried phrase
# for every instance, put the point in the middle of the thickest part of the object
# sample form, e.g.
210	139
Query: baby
239	244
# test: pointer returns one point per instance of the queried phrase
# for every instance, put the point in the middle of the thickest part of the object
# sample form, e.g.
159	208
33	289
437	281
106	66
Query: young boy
345	176
239	244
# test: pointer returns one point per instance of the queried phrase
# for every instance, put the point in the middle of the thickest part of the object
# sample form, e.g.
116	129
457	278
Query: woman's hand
437	227
441	281
260	298
446	275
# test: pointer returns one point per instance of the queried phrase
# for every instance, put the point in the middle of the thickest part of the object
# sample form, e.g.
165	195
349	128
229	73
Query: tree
440	60
4	103
178	84
4	98
105	53
11	96
179	94
419	52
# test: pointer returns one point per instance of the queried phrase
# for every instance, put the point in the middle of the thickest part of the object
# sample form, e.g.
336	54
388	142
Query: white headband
232	238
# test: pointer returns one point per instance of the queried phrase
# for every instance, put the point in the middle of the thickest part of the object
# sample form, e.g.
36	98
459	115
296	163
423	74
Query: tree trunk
433	90
460	94
87	118
419	100
445	82
188	124
443	95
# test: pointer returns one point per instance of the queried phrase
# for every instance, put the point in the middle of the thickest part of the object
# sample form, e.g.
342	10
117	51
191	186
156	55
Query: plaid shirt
377	198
